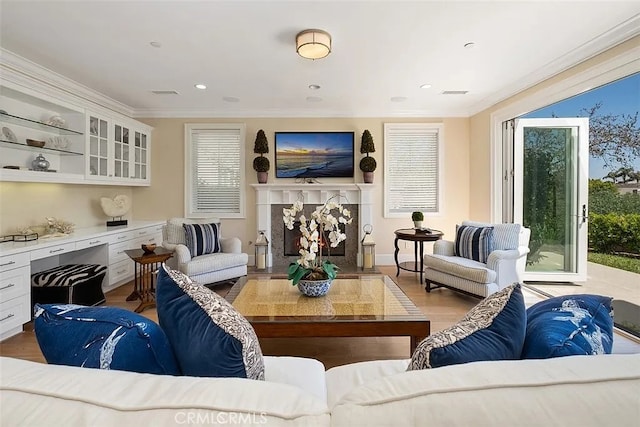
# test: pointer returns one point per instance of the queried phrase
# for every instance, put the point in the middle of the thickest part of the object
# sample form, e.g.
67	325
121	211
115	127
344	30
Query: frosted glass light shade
313	44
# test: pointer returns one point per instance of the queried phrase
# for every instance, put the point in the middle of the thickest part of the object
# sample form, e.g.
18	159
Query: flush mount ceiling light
313	44
200	86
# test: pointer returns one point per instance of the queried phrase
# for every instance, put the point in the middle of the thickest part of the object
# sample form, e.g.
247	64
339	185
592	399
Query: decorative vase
417	224
314	288
262	177
368	177
40	163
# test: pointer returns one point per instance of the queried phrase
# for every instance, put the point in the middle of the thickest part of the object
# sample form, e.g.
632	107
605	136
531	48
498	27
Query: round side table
418	238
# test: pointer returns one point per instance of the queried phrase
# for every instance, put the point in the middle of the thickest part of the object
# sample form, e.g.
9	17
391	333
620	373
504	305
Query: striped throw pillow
474	243
202	239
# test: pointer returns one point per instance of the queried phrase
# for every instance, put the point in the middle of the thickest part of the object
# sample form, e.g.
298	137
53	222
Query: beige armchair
210	268
504	266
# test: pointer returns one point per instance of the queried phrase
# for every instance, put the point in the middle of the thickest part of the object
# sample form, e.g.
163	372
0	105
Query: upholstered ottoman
70	284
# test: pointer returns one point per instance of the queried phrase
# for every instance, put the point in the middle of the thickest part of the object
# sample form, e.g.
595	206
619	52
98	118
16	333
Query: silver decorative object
40	163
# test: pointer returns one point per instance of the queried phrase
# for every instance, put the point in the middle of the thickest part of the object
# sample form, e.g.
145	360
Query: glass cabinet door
98	146
141	156
121	151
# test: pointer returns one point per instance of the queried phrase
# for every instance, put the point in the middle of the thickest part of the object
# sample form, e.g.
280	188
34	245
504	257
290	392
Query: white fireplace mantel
284	194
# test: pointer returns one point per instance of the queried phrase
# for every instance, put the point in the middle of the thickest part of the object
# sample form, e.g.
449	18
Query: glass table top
362	298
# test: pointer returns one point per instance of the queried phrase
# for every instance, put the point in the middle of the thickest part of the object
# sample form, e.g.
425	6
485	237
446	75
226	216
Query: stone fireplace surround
271	198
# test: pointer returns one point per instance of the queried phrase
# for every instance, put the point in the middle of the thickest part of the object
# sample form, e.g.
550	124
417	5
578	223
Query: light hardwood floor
442	307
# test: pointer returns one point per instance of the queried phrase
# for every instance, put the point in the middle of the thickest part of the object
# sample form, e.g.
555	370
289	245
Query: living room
470	168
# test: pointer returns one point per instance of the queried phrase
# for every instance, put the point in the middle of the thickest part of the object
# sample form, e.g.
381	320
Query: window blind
215	171
412	168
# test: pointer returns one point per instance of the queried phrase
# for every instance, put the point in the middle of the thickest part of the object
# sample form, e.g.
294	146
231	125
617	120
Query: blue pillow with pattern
474	243
102	337
492	330
569	325
209	336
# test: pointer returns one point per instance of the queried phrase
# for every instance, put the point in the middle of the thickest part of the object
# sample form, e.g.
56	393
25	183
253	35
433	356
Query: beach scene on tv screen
314	155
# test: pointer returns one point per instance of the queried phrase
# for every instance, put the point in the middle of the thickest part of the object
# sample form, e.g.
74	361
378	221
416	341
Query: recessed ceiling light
230	99
398	98
425	86
314	87
469	45
313	99
200	86
155	44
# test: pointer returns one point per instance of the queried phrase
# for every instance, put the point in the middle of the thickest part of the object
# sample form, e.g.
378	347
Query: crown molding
298	113
617	35
27	73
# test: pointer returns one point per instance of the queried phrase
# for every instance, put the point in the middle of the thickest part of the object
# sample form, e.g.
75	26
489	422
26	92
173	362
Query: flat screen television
314	154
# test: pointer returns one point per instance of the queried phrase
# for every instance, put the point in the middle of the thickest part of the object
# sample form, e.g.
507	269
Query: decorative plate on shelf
9	135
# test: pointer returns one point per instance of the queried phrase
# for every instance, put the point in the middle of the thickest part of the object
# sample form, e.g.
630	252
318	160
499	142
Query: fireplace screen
292	243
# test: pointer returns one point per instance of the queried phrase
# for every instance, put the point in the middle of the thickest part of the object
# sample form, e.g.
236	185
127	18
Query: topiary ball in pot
368	164
261	164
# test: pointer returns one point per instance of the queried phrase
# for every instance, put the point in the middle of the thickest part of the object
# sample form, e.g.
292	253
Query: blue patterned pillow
209	337
102	337
569	325
475	243
202	239
492	330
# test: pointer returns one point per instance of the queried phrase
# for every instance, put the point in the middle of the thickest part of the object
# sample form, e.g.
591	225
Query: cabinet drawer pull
142	232
121	271
153	239
94	242
7	263
53	251
10	285
9	316
122	237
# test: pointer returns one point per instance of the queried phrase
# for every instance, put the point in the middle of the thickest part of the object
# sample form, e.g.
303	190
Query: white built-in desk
93	245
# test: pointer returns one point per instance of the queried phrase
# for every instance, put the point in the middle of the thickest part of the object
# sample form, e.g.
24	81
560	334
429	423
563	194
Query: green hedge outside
614	233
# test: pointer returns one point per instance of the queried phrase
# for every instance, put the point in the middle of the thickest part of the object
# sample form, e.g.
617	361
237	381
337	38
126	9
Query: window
214	170
413	164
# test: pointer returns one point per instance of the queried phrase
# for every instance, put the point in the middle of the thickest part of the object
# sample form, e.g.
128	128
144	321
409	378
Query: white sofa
578	390
229	264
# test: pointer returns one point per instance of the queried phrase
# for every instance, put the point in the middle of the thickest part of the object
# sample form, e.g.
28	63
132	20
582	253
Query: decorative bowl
35	143
314	288
149	248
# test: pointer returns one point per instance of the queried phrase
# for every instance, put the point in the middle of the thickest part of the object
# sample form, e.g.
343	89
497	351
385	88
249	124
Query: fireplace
282	256
272	198
292	242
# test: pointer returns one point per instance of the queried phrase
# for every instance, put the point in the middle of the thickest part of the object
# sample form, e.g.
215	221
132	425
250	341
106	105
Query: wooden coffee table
364	306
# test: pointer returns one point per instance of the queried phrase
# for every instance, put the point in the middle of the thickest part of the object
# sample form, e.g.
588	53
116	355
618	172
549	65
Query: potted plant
313	275
417	218
367	164
261	164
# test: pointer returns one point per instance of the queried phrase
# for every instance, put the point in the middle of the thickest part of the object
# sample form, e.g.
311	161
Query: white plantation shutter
413	153
214	170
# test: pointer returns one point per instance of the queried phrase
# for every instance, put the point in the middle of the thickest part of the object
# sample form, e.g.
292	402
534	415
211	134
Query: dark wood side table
145	266
418	238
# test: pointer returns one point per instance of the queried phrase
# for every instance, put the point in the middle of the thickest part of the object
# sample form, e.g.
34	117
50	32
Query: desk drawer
120	271
123	237
89	243
15	313
14	283
53	250
9	262
116	251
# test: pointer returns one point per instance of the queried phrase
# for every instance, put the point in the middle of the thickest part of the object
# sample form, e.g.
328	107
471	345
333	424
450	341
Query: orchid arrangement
314	234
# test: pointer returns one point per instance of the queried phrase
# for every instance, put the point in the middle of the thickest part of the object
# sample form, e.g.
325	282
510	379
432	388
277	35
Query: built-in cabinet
81	146
95	245
117	151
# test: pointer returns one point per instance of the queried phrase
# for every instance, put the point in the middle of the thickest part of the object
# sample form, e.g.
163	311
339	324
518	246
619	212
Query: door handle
584	214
